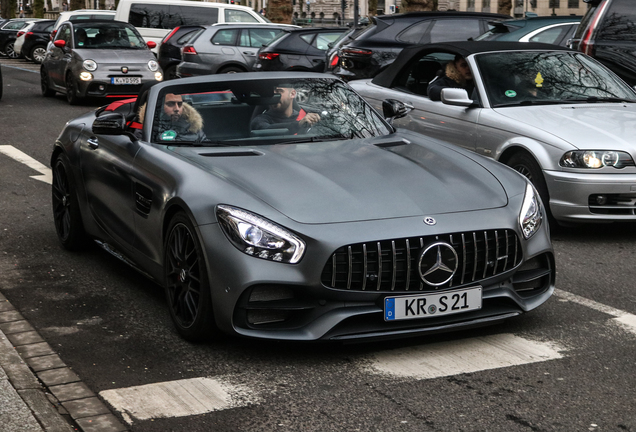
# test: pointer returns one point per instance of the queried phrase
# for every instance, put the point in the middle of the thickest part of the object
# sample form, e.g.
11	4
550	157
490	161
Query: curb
56	396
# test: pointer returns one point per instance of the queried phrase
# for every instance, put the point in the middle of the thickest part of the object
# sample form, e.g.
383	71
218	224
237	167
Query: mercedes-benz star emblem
124	69
438	263
429	220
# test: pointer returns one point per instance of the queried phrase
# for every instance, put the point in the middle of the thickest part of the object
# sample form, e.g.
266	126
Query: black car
333	58
8	34
608	33
376	47
299	50
36	40
170	49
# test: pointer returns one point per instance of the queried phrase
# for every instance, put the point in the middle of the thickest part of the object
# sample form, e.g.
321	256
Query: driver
282	115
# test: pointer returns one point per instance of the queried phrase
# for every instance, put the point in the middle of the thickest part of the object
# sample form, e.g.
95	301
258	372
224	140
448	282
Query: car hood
598	126
118	57
328	182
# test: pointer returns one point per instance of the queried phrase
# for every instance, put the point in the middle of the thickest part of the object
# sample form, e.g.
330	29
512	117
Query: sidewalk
38	392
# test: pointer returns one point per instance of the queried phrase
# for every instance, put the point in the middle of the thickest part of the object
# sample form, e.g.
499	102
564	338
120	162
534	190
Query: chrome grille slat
350	274
450	284
475	256
421	247
333	270
463	258
408	264
486	256
394	258
379	265
364	266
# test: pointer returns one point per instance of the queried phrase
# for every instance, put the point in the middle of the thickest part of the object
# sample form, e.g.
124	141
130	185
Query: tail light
334	61
53	33
28	35
586	45
189	49
20	33
268	56
169	35
356	52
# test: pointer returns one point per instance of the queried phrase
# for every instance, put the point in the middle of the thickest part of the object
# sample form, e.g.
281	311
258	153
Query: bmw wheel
66	213
71	90
47	91
186	281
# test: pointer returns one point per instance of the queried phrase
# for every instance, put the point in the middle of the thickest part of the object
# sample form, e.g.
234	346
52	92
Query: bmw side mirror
110	124
394	109
456	96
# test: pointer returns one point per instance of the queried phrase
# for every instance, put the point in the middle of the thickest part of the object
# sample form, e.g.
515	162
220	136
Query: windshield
107	36
530	77
247	112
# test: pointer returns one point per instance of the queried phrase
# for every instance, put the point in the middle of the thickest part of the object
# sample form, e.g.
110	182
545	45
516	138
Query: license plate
432	305
125	80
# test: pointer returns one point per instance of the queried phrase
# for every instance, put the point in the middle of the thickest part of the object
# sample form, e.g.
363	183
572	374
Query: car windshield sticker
511	93
539	80
80	43
168	135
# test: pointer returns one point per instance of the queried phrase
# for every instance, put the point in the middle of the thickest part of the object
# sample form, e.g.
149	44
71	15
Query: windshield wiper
316	139
530	102
594	99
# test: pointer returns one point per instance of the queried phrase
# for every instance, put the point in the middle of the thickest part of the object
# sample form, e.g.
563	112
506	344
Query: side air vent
143	199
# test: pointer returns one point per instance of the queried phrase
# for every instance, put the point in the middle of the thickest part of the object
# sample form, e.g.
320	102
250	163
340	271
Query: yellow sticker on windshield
539	80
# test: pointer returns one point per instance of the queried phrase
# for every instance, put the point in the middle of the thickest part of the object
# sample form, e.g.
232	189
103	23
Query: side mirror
456	96
151	44
60	43
110	124
394	109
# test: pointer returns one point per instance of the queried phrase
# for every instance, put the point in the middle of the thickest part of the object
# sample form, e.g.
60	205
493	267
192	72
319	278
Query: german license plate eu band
125	80
431	305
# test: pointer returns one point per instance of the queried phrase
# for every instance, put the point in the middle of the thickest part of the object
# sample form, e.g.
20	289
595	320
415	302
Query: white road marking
462	356
14	153
177	398
624	319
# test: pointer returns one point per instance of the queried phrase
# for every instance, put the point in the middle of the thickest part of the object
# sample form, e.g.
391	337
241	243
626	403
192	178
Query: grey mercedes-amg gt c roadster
283	206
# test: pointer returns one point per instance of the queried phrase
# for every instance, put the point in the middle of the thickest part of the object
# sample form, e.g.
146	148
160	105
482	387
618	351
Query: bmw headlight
530	216
258	237
90	65
596	159
153	66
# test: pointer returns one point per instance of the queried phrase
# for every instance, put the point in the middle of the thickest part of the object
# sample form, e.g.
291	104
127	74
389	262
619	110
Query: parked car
154	19
332	55
557	30
555	115
299	50
97	59
32	43
608	33
8	34
378	46
169	55
226	48
338	229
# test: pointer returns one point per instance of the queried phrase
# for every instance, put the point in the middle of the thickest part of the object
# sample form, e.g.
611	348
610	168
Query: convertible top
464	48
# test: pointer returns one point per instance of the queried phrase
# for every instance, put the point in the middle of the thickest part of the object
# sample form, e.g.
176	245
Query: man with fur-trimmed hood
458	75
178	121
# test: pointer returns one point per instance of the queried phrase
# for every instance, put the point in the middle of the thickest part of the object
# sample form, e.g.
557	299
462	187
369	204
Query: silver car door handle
92	142
248	53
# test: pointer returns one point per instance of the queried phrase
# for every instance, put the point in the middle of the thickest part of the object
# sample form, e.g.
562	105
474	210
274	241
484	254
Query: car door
253	39
106	163
59	57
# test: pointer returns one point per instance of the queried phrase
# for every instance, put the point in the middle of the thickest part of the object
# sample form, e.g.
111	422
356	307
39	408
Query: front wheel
47	91
529	168
66	213
37	54
71	91
186	282
231	69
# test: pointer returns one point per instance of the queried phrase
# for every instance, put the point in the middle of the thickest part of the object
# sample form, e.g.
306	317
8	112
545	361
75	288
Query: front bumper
100	86
581	197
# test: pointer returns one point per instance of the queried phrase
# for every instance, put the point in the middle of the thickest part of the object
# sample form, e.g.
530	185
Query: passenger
283	115
178	121
457	75
113	38
81	38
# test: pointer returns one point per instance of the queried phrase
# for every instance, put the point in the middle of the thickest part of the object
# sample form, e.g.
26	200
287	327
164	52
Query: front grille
392	265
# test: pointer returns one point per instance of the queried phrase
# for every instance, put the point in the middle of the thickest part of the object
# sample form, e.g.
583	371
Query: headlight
530	216
153	65
596	159
259	237
86	76
158	76
90	65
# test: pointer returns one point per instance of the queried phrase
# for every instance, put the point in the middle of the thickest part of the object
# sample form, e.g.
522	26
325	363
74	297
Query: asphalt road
568	366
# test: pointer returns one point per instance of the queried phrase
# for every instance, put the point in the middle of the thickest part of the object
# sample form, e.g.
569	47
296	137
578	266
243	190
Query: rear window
414	33
233	15
171	16
256	38
619	23
92	17
454	30
225	37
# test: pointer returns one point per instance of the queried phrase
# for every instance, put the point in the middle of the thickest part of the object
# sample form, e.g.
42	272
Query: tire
170	73
529	168
67	217
37	54
71	91
47	91
230	69
186	282
9	51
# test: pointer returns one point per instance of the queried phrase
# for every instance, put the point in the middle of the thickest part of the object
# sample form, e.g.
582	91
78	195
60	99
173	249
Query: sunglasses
172	103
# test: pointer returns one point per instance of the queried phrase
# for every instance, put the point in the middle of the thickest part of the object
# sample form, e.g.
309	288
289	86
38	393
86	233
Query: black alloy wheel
529	168
38	53
9	51
186	282
66	213
71	90
47	91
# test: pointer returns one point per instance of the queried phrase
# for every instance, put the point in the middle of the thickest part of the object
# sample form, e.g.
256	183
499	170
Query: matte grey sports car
268	218
555	115
97	59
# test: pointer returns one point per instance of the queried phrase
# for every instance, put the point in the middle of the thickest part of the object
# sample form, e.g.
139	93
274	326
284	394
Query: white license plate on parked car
432	305
125	80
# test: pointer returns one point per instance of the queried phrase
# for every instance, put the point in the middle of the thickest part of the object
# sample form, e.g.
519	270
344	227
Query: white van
154	19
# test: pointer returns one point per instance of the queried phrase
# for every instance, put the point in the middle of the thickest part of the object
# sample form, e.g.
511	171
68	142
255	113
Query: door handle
249	53
92	142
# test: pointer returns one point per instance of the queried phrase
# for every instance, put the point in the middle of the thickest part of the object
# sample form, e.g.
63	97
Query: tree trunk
102	4
373	7
8	8
279	11
38	9
418	5
49	5
76	4
505	6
